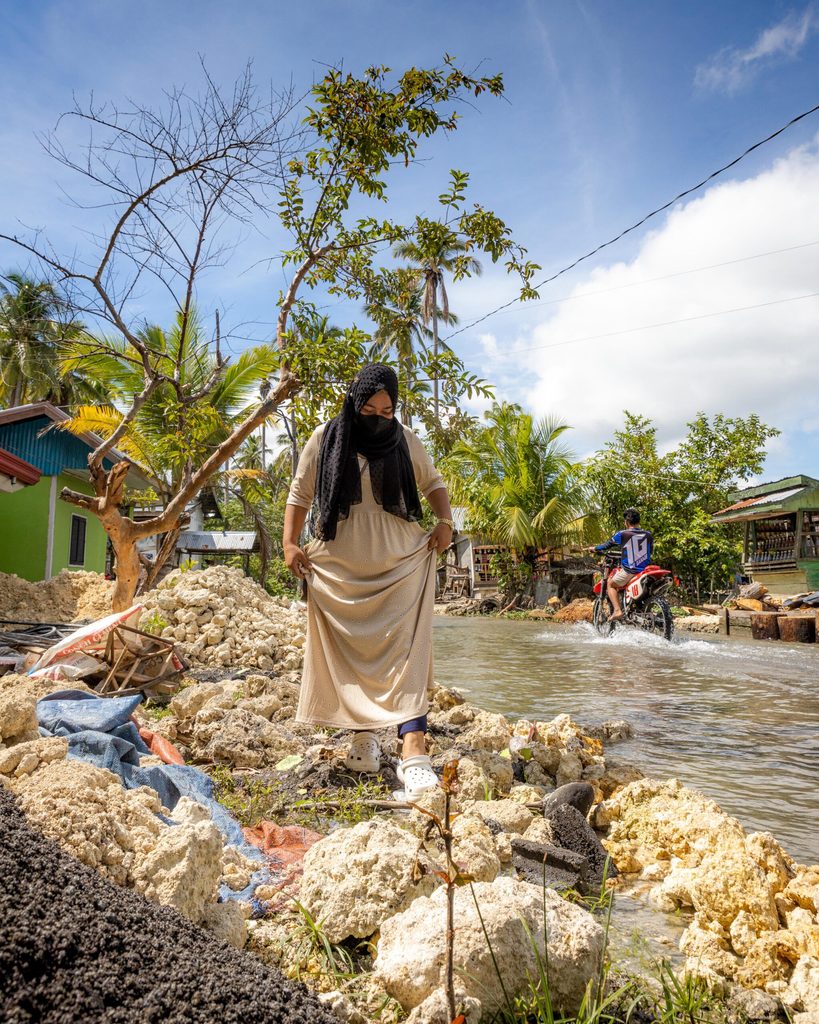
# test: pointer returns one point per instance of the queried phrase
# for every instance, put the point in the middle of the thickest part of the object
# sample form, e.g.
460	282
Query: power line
645	219
666	323
665	277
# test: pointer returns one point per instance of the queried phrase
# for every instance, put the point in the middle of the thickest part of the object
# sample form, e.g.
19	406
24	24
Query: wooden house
781	533
39	534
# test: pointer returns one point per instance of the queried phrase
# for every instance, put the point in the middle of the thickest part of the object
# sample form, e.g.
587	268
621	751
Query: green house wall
24	531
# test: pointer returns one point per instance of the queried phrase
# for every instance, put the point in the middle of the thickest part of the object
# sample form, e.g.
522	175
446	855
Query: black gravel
75	948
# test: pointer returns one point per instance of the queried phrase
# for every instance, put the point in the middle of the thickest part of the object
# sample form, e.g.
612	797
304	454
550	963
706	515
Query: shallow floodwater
738	721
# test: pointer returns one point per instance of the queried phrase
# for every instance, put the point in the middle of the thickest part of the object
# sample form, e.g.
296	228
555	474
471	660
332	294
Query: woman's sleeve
427	476
303	488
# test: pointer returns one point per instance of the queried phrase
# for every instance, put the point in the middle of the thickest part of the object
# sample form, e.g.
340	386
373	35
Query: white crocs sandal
417	776
364	754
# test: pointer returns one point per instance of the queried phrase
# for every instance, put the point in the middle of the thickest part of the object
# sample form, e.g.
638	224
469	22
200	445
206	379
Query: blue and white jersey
636	546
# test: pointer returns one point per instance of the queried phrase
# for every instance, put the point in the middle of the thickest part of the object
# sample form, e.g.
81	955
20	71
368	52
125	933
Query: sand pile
219	617
68	597
580	610
77	948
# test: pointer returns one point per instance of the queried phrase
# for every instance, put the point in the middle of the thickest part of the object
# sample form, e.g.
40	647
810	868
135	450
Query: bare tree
165	182
171	179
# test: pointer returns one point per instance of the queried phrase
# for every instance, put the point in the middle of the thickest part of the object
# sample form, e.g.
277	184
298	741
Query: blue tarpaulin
100	731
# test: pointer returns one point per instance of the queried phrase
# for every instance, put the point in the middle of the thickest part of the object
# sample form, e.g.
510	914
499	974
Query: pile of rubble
67	597
755	912
579	610
78	948
220	617
241	723
118	832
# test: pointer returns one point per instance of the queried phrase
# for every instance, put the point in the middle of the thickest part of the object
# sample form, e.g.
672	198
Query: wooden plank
797	629
764	626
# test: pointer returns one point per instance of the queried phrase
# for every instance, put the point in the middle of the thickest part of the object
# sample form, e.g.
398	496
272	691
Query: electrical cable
664	277
645	219
665	323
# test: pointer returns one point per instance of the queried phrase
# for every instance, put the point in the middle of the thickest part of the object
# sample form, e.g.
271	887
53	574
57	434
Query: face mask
374	425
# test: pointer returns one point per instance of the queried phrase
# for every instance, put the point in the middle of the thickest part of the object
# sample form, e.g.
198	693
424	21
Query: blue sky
610	109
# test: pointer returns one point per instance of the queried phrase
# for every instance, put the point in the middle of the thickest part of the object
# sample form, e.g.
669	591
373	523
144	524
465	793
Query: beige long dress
368	658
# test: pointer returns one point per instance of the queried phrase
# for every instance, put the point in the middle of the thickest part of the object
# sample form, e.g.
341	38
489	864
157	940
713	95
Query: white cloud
732	68
763	360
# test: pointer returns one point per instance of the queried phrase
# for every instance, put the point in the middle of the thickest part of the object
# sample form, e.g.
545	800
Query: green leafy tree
182	423
677	493
517	480
35	329
401	321
211	158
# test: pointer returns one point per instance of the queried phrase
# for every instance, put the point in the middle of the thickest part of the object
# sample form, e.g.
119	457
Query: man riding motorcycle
636	545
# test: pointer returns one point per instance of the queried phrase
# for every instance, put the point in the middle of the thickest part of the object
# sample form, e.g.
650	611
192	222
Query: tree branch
286	386
292	291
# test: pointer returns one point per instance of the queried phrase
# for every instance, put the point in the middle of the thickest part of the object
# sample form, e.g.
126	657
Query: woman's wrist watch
447	522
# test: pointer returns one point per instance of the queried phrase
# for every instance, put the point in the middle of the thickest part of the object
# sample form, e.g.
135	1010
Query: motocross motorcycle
643	605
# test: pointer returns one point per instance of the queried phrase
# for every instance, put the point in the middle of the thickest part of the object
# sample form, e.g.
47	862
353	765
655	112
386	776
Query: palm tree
171	435
435	251
401	326
35	333
517	480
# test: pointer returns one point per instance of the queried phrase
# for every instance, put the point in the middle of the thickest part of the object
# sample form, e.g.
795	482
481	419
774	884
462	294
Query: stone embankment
755	911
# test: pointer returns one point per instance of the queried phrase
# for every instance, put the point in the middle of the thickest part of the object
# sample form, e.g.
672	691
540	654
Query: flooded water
738	721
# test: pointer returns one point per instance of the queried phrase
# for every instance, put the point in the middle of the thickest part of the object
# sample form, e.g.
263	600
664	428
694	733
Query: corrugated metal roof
216	540
55	451
763	499
459	517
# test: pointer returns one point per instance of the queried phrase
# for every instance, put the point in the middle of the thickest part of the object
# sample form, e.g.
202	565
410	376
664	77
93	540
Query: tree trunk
797	629
294	452
166	550
128	567
435	354
764	626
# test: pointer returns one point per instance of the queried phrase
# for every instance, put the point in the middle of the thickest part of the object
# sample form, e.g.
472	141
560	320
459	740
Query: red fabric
285	843
286	846
161	747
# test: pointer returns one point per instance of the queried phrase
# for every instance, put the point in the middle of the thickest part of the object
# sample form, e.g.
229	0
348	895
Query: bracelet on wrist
447	522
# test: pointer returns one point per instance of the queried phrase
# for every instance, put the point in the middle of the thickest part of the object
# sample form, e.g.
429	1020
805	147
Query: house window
76	554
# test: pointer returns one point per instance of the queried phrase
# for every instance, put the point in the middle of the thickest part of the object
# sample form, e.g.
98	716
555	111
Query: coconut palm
516	479
400	324
434	251
173	433
35	333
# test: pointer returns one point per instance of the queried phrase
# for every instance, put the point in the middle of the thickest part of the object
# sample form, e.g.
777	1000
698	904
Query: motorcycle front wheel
656	617
600	617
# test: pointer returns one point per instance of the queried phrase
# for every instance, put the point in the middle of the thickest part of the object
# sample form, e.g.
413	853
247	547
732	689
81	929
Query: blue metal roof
53	453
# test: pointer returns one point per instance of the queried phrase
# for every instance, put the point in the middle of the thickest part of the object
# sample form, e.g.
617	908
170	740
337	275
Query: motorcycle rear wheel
656	618
600	617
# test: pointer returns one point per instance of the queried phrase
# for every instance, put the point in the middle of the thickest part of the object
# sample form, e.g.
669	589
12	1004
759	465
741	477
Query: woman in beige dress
370	574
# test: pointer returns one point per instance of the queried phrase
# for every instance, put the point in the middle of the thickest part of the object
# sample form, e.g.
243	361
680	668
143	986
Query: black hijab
338	483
